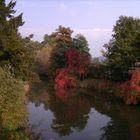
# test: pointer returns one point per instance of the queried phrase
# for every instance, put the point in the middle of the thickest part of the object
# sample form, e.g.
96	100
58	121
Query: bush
13	114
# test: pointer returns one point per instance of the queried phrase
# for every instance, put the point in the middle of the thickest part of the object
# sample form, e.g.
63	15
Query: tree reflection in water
71	114
114	130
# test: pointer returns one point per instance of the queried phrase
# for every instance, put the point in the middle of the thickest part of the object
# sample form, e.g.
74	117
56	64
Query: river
74	114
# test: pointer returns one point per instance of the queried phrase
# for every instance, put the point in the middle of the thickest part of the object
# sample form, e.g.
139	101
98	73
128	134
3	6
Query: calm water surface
75	115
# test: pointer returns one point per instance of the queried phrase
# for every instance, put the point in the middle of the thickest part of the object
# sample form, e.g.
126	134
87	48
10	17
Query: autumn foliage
77	64
131	88
64	79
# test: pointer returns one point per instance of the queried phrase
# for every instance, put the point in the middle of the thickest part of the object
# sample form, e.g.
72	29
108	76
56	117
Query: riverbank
123	91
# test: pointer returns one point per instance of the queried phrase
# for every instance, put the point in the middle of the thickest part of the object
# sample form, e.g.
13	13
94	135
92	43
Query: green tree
32	46
62	36
123	50
12	48
62	40
9	37
80	43
48	40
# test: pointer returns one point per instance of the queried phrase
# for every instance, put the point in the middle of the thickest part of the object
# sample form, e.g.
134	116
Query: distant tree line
120	53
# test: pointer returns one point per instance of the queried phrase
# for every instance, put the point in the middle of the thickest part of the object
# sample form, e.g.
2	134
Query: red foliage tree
72	55
77	64
64	79
131	88
135	80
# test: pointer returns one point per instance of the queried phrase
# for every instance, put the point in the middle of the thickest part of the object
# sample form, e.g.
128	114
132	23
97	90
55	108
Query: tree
12	48
61	51
62	40
8	30
123	50
63	43
80	43
62	36
48	39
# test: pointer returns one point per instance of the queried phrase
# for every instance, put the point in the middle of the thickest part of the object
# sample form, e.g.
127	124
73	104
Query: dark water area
74	114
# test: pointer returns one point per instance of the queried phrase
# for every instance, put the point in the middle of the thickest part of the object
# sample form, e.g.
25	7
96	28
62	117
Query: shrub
13	115
131	89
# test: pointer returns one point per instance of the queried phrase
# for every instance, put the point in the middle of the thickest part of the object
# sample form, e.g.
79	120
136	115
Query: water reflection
70	112
72	115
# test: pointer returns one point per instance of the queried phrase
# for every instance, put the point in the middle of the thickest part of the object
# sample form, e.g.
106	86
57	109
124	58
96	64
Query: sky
92	18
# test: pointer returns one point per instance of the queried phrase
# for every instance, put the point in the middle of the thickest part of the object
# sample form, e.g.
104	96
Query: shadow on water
73	115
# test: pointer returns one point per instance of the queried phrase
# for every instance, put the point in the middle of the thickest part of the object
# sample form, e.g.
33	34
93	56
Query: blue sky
92	18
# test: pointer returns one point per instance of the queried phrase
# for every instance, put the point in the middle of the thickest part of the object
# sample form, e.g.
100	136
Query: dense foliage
123	50
62	41
80	43
13	114
68	57
13	50
76	68
60	51
97	69
131	89
16	59
77	62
